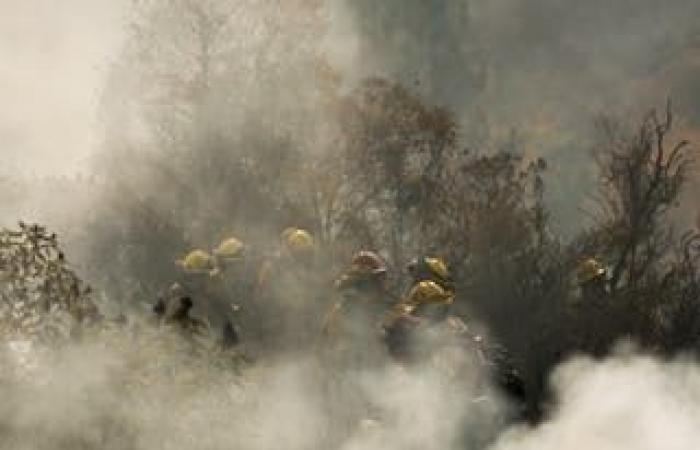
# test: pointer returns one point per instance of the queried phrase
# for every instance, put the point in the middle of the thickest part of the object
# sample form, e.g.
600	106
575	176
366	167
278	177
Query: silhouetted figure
182	312
159	308
229	337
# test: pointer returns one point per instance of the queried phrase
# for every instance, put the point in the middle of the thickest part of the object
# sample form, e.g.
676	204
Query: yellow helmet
430	268
298	240
438	267
589	270
424	293
230	249
196	261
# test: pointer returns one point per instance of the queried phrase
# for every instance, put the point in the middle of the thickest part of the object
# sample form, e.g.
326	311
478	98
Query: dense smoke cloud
544	68
560	58
212	110
55	57
154	392
111	393
629	401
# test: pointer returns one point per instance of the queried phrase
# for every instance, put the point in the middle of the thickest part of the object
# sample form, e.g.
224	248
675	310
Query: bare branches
640	180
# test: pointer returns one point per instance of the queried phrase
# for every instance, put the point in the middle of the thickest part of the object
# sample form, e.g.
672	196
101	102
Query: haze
54	56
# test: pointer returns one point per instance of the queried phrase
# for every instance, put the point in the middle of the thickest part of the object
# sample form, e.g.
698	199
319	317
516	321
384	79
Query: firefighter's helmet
438	268
589	270
298	240
368	262
429	292
424	294
196	261
365	265
429	267
230	249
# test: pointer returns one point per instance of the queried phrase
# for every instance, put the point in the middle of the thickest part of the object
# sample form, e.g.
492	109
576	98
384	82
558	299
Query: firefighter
294	256
164	302
352	341
229	254
431	269
190	297
591	278
594	318
433	290
174	309
231	287
180	317
422	329
197	262
197	268
365	278
427	303
298	244
290	294
353	325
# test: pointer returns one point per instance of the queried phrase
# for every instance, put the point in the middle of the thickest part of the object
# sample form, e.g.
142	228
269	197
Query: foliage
37	286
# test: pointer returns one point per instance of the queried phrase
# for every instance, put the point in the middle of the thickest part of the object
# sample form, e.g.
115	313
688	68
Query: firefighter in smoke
289	292
352	328
229	255
421	328
294	255
593	316
352	343
231	280
175	308
198	299
426	305
591	278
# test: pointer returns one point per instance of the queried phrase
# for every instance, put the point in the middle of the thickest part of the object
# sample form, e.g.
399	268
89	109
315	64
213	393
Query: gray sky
53	56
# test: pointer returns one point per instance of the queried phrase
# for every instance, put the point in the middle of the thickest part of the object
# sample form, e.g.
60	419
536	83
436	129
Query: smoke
55	58
558	58
54	61
544	68
154	390
629	401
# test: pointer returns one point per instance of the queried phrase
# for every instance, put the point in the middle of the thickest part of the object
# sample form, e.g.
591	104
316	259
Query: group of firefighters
280	303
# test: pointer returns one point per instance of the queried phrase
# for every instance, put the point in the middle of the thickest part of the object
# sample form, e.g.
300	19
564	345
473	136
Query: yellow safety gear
589	270
229	249
196	261
298	240
425	293
438	267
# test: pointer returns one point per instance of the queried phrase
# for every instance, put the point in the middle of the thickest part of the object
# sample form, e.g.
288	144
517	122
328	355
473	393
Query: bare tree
641	177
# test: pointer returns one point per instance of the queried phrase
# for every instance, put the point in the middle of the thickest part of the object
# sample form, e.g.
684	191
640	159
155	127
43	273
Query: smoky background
242	118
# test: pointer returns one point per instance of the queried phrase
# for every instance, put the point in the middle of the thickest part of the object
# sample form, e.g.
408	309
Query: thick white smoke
151	390
144	393
55	56
628	401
